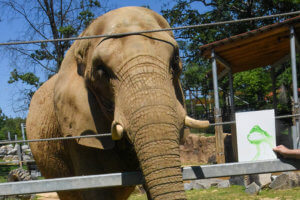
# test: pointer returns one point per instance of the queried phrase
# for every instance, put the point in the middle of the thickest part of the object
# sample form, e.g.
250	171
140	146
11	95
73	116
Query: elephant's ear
77	110
177	68
81	48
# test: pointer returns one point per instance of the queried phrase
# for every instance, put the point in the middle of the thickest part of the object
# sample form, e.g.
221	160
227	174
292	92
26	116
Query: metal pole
23	132
295	86
215	79
8	135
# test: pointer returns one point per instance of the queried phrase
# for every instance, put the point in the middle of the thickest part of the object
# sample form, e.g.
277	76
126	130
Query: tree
253	86
185	12
2	118
12	125
46	19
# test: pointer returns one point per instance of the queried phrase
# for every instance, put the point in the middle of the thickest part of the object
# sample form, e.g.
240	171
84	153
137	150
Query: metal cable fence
152	31
55	139
134	178
109	134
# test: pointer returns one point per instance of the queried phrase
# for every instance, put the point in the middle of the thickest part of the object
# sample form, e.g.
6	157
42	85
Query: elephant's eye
175	63
103	72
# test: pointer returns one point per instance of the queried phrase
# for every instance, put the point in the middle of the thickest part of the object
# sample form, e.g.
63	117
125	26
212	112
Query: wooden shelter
267	46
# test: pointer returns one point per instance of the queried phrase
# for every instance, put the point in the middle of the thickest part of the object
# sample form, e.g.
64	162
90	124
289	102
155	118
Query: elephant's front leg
91	161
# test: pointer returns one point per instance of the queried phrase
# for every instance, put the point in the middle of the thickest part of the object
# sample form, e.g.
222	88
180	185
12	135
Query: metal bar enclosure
135	178
295	84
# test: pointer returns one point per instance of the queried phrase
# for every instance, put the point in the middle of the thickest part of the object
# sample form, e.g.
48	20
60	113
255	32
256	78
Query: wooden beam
223	73
297	42
281	60
224	62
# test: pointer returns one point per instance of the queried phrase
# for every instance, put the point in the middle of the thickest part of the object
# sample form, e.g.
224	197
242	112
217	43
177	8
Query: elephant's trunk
160	161
153	121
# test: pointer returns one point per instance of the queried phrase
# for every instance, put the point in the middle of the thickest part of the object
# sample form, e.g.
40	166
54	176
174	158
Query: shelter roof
257	48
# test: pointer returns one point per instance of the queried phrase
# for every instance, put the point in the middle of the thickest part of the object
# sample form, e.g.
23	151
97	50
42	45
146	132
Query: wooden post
220	156
232	118
19	151
274	88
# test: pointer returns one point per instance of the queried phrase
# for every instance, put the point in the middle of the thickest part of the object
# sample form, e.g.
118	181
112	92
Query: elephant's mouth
106	105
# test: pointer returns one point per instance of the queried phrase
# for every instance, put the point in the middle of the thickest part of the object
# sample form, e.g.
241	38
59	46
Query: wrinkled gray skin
126	85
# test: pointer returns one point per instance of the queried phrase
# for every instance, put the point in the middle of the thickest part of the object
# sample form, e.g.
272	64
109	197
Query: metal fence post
19	151
295	86
23	132
8	136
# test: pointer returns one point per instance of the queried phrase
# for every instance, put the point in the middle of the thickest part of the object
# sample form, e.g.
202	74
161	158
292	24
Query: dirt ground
48	196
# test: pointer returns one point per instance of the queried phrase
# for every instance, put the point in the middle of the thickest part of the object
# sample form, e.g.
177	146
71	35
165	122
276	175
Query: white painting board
256	135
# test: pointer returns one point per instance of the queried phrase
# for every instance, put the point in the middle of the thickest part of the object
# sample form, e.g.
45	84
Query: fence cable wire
57	138
135	33
276	117
109	134
152	31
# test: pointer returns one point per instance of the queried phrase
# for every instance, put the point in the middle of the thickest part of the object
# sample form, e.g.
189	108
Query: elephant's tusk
117	132
193	123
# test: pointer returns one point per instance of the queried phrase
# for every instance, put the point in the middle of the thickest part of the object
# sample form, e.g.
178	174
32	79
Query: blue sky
12	29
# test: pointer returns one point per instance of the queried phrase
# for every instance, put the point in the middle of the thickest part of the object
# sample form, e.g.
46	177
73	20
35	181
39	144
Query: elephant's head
135	82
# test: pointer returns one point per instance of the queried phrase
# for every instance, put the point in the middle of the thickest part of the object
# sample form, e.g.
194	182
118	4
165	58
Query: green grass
2	179
234	192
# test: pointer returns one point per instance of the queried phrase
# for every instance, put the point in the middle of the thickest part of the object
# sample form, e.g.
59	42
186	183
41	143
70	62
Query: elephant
124	85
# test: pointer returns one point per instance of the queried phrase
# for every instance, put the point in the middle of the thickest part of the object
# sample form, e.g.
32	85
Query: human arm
286	152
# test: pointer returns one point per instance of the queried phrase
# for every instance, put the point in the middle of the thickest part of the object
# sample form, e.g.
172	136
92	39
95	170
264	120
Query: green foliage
86	16
2	119
42	53
46	20
194	76
253	86
250	86
12	125
67	31
28	78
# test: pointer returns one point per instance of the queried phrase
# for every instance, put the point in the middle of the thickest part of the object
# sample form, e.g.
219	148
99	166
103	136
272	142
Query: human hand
281	149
